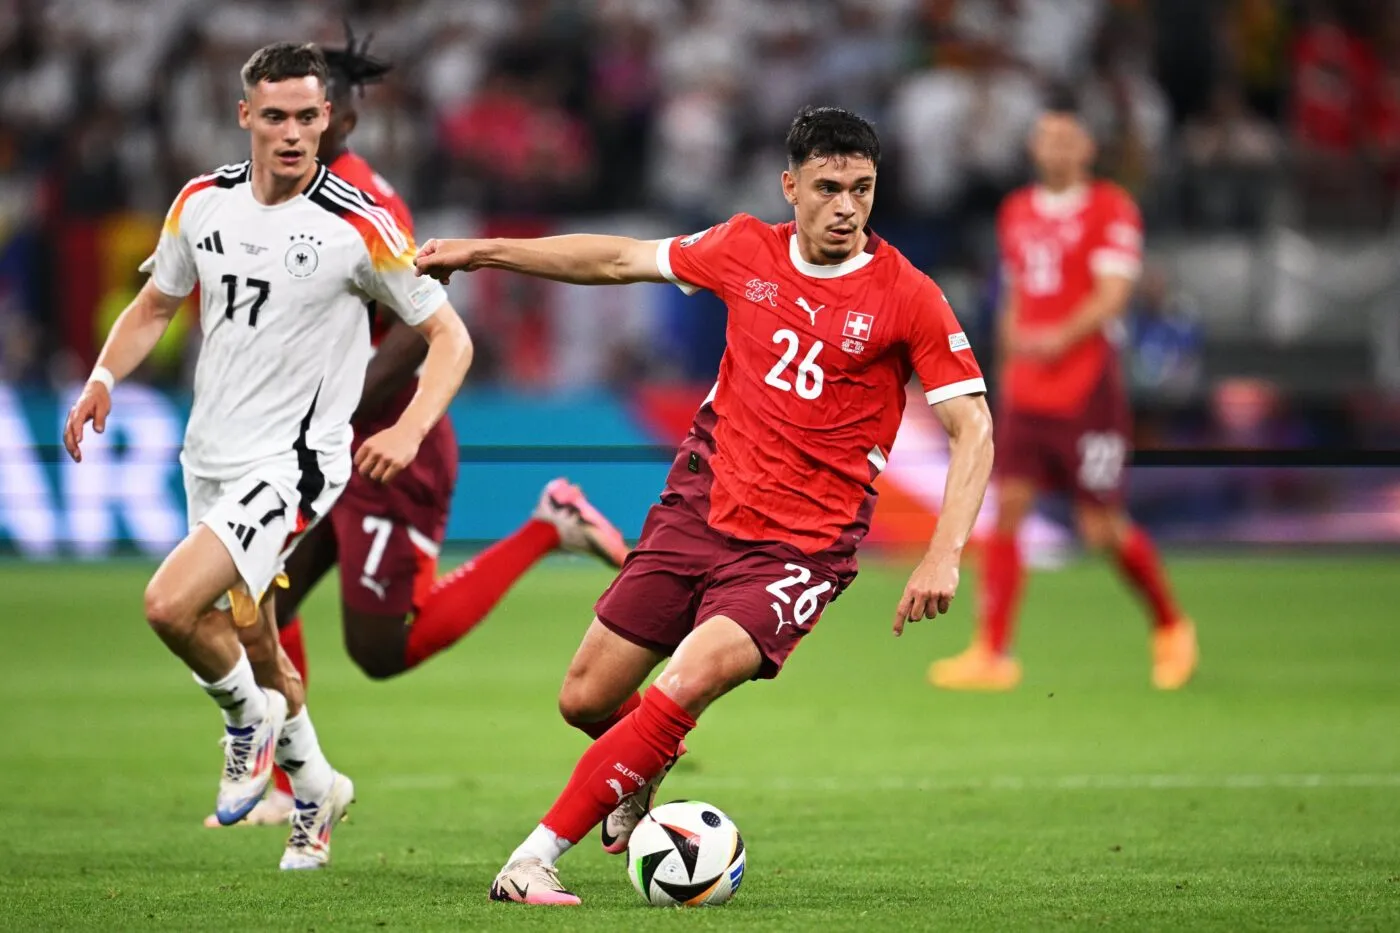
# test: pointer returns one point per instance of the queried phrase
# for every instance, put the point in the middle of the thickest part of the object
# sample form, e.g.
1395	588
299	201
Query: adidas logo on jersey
212	243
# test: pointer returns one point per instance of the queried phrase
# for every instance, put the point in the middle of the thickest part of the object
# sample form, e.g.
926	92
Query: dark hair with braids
352	67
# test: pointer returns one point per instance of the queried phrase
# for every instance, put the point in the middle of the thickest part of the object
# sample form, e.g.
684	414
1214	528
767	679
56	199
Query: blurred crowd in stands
1219	115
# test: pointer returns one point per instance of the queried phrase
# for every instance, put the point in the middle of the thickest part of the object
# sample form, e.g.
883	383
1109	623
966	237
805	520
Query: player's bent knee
580	704
165	614
376	663
692	693
378	650
714	659
1099	531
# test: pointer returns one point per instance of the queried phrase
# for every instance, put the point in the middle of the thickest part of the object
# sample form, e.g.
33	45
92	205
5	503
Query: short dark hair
283	60
1061	100
831	131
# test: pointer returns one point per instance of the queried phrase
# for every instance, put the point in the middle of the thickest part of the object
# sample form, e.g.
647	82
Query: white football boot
531	881
273	810
616	828
248	754
309	846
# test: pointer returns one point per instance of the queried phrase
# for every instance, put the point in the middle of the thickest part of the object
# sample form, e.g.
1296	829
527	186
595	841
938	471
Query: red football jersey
812	383
1052	248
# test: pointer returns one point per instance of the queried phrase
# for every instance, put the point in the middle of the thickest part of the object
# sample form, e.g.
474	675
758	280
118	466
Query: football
686	854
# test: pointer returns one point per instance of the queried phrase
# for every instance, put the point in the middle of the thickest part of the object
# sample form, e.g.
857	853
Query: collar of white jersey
1059	203
858	261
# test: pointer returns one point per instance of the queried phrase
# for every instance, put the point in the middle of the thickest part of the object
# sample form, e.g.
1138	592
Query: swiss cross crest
858	325
759	290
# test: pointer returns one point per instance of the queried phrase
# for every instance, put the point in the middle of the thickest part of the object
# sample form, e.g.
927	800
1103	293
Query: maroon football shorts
388	536
1083	454
683	572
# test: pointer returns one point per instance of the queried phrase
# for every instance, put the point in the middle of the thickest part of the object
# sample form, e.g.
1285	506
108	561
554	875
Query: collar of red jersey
1060	203
858	261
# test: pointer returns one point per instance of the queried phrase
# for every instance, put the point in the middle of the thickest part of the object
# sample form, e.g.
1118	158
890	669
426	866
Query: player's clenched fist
94	405
930	590
387	453
441	258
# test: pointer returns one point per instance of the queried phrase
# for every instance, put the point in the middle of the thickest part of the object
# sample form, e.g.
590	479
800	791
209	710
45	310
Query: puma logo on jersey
212	243
811	311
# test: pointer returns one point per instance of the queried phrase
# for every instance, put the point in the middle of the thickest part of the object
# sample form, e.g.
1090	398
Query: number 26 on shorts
807	604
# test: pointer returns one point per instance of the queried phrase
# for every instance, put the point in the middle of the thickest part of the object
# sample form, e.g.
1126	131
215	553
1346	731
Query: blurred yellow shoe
1174	655
977	668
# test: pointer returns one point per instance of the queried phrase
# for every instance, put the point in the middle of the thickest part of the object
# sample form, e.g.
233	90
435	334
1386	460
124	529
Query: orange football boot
1174	655
977	668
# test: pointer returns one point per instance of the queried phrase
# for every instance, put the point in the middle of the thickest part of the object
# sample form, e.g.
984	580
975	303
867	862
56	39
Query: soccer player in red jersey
1071	252
770	494
395	612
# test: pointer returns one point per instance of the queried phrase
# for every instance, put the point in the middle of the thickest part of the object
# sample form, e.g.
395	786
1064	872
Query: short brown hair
283	60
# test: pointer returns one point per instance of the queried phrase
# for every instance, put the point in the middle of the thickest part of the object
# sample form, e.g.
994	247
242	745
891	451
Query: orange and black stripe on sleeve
225	177
389	244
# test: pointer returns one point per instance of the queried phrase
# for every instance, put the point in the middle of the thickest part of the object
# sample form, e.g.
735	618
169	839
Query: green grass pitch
1266	796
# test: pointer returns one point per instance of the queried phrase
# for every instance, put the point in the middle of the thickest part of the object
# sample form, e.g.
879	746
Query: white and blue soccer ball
686	854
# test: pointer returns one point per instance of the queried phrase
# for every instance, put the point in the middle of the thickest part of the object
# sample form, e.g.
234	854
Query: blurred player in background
770	494
386	536
285	254
1071	253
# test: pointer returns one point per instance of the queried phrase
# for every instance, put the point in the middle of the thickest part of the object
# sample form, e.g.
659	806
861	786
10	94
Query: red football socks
1002	576
1139	563
623	760
596	730
464	597
295	648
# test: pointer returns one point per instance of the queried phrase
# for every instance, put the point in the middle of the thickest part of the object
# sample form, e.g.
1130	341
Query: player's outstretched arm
934	583
135	334
387	453
577	258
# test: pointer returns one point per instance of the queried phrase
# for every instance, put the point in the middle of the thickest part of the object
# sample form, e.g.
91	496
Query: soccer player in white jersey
285	256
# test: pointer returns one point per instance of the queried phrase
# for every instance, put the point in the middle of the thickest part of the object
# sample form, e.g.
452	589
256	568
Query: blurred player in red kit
770	494
385	538
1071	253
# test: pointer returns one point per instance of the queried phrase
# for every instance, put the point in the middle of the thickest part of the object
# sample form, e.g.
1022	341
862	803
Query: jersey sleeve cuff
423	302
954	389
1117	263
163	285
663	263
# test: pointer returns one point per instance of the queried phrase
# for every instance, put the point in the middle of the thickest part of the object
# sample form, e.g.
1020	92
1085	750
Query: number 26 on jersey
809	377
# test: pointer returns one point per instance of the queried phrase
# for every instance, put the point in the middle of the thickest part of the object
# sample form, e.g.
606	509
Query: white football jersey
283	290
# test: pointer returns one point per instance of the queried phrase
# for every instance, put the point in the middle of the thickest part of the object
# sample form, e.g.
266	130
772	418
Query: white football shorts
260	517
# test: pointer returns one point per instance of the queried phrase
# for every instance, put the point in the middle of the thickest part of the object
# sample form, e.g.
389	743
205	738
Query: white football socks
544	844
238	694
299	754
